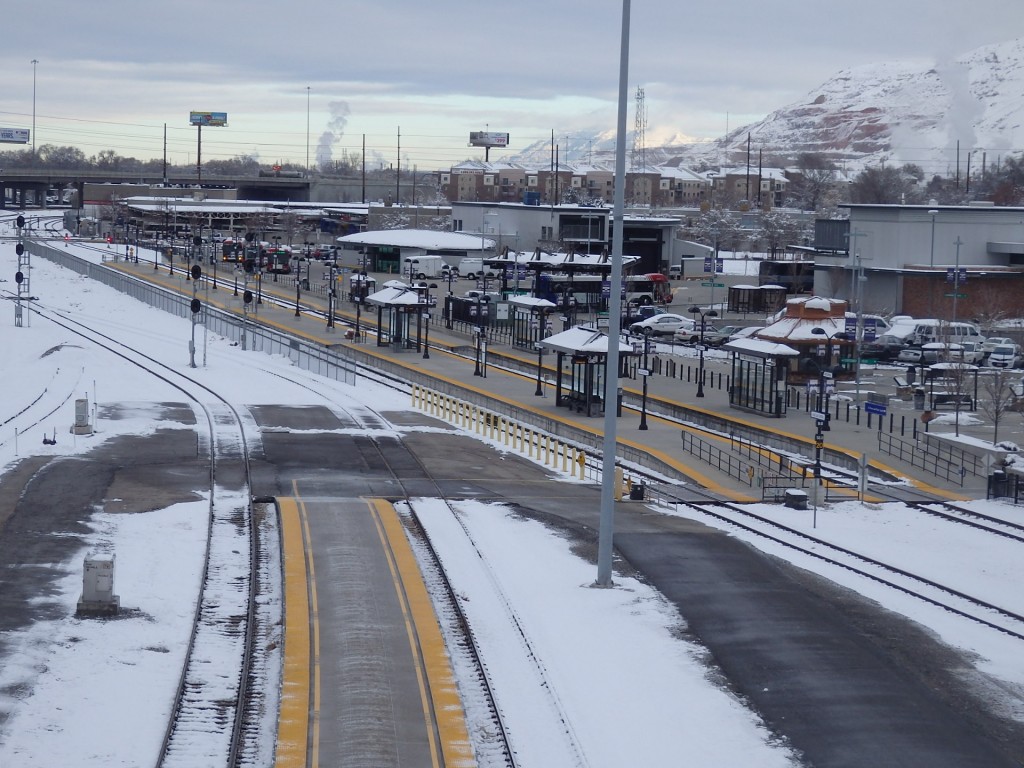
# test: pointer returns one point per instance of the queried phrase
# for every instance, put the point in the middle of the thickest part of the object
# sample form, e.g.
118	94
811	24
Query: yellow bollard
565	457
617	494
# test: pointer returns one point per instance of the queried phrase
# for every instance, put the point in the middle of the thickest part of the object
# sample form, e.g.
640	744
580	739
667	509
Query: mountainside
897	112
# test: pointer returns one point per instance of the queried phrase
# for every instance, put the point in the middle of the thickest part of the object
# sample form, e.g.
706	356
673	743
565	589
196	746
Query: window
577	181
446	178
531	181
456	225
488	181
547	233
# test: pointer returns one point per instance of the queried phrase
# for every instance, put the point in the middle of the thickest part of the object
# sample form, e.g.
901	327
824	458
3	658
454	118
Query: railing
311	357
940	461
723	461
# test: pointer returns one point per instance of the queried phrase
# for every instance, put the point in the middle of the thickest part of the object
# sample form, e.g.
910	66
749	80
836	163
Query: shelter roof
427	239
583	339
760	348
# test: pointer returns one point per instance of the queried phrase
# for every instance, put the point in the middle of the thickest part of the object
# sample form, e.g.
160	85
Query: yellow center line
314	619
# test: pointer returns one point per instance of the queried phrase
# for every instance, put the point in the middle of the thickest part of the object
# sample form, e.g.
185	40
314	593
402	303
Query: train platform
510	376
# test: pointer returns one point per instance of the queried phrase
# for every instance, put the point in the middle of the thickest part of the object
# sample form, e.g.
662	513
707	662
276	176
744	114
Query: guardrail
941	463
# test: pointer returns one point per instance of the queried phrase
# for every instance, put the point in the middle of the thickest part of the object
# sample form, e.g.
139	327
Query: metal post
540	363
330	302
297	295
645	373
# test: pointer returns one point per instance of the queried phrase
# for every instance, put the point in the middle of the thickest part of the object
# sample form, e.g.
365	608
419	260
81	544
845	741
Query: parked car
997	341
716	337
661	325
1005	356
885	347
636	314
745	333
970	352
910	355
692	335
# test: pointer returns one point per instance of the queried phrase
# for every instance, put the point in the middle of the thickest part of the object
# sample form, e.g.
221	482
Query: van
473	267
928	331
423	267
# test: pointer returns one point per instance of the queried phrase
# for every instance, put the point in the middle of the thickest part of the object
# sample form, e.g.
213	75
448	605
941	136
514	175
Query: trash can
636	492
795	498
998	485
305	284
919	399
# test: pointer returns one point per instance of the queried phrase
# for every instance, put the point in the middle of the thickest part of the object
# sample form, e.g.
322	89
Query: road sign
643	372
876	408
819	444
818	415
712	285
955	295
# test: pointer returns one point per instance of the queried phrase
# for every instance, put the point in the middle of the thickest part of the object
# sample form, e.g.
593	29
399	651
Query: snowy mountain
897	112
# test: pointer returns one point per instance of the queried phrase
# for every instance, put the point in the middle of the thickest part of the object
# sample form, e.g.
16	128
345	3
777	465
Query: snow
92	693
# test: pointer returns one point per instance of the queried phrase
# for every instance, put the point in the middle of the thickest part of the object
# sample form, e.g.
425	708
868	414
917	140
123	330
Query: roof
531	302
427	239
760	348
395	295
539	259
583	339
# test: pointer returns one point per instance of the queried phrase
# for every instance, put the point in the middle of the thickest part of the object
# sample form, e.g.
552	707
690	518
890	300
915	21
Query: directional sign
707	264
818	415
876	408
712	285
643	372
955	295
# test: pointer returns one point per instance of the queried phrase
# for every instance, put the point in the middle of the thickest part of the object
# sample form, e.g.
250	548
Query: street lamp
359	295
426	325
448	300
541	325
297	287
695	311
822	418
34	63
931	263
481	302
330	302
645	372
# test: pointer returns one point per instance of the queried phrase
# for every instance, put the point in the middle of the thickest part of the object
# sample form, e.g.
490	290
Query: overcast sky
111	74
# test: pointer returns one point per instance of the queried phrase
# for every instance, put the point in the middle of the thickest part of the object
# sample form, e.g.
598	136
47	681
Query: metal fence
258	338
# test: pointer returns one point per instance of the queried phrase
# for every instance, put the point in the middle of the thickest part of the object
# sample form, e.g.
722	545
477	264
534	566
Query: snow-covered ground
96	693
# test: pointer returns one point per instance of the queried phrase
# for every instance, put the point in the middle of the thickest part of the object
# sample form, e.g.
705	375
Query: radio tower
638	159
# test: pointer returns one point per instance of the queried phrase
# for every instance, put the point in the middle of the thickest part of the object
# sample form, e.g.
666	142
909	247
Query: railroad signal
19	222
19	249
195	306
19	277
247	297
197	271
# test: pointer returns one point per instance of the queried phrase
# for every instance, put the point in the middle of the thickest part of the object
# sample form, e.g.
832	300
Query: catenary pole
611	378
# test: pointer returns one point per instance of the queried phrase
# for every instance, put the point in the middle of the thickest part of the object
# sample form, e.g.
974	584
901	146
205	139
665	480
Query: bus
794	276
650	288
271	258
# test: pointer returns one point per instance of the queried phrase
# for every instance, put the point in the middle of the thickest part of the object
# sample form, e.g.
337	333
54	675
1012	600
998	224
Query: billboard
488	139
215	119
13	136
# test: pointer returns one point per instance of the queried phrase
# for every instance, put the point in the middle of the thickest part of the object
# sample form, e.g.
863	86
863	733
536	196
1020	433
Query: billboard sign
215	119
488	139
14	136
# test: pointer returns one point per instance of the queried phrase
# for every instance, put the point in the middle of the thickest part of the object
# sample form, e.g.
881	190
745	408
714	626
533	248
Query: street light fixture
482	301
426	325
541	325
695	311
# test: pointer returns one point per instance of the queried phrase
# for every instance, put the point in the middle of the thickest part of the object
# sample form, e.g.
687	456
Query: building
948	262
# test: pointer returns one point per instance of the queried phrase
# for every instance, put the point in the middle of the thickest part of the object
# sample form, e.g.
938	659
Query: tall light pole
34	63
307	129
695	311
426	325
931	264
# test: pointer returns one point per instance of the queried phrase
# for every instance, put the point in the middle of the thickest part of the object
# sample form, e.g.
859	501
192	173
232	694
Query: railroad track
213	707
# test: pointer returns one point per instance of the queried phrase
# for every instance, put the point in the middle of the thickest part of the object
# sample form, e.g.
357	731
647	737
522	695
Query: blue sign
878	409
956	276
707	263
719	265
870	329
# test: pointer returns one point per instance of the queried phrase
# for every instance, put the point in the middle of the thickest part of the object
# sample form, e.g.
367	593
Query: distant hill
897	112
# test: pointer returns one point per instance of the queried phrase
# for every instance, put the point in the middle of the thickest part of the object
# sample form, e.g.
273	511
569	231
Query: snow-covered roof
584	340
531	302
561	261
427	239
800	330
395	296
760	348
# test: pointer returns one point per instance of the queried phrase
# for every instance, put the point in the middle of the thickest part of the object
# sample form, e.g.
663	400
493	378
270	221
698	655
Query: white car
997	341
969	352
1006	356
661	325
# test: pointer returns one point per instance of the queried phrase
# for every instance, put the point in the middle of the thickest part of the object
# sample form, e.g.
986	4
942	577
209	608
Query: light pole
330	302
297	293
359	294
822	417
541	324
931	263
307	129
448	300
645	372
426	325
34	63
695	311
481	367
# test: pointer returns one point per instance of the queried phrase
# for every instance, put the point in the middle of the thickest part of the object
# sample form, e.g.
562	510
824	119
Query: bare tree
999	398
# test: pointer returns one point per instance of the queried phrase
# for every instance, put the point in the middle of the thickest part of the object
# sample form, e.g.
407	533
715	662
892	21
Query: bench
940	399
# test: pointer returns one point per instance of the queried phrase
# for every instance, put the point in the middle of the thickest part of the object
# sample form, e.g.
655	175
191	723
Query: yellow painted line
314	620
292	746
439	695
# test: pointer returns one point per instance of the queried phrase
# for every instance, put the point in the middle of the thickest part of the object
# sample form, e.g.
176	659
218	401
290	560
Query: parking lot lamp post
645	372
481	302
426	325
695	311
449	300
541	324
330	301
297	295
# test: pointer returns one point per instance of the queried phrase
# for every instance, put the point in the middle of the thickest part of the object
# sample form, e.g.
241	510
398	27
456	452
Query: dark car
635	313
885	347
